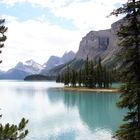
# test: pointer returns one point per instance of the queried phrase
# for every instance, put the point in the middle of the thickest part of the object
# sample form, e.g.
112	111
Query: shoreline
83	89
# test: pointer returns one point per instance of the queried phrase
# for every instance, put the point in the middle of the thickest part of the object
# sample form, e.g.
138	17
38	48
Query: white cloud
37	40
88	14
42	3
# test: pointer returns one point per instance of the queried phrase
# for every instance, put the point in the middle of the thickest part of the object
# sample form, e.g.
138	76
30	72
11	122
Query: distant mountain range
30	67
55	61
21	70
95	44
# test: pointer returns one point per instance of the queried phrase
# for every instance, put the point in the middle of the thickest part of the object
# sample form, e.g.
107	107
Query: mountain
29	66
52	62
103	44
67	57
2	72
21	70
55	61
96	44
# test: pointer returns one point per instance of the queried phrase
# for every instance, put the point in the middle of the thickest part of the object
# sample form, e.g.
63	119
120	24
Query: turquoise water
58	115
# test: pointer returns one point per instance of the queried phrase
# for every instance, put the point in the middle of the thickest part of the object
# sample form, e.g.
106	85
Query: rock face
67	57
52	62
56	61
95	44
102	44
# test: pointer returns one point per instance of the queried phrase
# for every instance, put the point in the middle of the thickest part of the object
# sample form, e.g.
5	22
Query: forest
92	75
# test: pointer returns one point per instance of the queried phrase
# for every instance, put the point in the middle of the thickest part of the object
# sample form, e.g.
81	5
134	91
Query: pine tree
7	131
61	78
83	77
79	78
3	38
58	78
13	132
105	77
91	81
67	76
99	73
73	78
87	72
129	35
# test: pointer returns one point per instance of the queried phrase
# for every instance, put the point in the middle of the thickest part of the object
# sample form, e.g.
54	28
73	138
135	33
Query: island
36	77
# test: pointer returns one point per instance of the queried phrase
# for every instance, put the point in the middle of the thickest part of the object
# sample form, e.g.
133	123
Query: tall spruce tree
3	38
79	79
73	78
99	71
7	131
67	76
87	72
91	77
105	77
129	35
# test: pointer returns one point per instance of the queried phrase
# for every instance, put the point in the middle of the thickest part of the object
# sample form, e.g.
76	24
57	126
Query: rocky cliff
102	44
95	44
55	61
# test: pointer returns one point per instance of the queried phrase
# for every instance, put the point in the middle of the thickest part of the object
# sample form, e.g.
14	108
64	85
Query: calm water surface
58	115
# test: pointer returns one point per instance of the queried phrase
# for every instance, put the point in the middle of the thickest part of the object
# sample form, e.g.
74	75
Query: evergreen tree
73	78
83	77
91	81
13	132
89	76
3	29
105	74
87	72
58	78
99	74
129	34
7	131
79	78
110	78
67	76
62	78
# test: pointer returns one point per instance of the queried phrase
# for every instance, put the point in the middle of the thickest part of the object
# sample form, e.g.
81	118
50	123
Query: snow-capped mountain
21	70
29	66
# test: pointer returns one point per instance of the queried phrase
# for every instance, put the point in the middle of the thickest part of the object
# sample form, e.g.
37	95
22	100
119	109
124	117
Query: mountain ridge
94	45
30	67
55	61
21	70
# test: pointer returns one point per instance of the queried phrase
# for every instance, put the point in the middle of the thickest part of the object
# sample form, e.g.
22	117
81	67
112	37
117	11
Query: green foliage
7	131
129	35
73	78
67	76
90	76
3	29
79	79
38	77
58	78
13	132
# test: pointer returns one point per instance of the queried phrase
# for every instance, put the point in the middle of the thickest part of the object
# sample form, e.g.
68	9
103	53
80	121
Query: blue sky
25	11
38	29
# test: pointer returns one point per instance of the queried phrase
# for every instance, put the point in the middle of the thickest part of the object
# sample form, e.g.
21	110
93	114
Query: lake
58	115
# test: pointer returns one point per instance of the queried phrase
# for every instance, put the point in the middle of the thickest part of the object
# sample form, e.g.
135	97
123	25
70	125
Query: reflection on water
96	110
58	115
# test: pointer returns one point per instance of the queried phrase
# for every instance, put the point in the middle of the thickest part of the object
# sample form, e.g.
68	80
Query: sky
38	29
